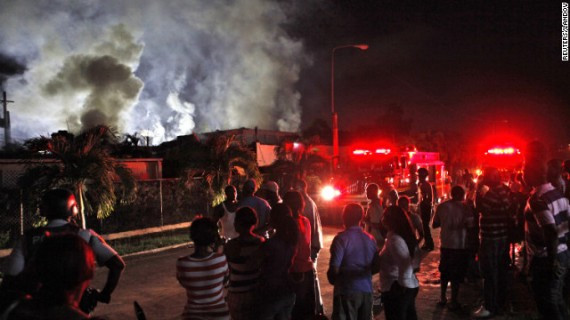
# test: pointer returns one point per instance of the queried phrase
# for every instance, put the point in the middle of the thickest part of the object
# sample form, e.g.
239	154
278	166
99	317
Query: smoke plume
164	68
9	67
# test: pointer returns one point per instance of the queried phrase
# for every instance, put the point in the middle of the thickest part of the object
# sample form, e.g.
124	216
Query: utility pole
5	122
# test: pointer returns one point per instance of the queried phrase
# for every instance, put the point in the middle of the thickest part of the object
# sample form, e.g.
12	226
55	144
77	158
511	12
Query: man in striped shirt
546	234
495	218
203	274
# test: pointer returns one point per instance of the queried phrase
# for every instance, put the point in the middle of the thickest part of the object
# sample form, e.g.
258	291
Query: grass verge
149	242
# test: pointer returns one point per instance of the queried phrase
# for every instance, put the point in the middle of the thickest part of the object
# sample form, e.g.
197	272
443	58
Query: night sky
472	67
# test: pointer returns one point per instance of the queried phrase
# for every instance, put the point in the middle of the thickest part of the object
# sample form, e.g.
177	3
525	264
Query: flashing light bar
503	151
383	151
361	152
365	152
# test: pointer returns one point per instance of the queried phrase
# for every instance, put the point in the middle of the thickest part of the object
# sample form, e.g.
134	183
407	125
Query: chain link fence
159	202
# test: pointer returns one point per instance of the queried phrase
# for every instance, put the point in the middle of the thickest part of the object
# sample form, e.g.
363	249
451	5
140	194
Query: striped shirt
495	208
243	273
547	205
203	279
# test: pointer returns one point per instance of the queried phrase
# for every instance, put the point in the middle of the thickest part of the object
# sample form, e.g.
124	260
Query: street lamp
335	156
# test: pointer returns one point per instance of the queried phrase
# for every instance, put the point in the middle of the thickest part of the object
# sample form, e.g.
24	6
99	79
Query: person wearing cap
59	207
270	191
261	206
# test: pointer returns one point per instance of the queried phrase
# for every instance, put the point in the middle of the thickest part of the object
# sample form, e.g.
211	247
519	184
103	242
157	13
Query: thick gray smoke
165	68
9	67
109	84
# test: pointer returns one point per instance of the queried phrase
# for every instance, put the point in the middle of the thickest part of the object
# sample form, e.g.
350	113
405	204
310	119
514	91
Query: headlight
328	193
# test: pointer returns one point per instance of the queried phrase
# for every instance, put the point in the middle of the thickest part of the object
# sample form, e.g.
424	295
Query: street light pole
335	157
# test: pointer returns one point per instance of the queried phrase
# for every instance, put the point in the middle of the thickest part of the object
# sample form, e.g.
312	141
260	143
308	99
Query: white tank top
227	222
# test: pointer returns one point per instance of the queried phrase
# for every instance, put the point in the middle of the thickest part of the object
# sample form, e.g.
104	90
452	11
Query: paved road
150	280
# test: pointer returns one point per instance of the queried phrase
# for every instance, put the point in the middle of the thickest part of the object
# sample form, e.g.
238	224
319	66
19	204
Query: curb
174	246
128	234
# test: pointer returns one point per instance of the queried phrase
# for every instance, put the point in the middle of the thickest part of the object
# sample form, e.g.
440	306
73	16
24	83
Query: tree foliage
298	160
82	163
212	164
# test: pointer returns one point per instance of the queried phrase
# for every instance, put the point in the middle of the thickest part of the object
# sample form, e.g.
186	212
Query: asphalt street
150	280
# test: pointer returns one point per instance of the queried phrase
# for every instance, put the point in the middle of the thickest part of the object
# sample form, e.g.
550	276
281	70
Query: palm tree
300	160
212	164
82	163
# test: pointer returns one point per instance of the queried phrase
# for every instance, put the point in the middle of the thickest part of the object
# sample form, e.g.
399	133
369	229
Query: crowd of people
267	252
256	257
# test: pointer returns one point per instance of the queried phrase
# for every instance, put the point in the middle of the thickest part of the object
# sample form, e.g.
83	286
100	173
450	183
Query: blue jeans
547	284
494	263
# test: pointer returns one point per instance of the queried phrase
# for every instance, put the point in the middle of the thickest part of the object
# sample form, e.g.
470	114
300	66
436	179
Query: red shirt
302	261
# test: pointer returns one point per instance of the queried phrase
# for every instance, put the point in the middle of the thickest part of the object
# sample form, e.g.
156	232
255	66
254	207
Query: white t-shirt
452	216
396	264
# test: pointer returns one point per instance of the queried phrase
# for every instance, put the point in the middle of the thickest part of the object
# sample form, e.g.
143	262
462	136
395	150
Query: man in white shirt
452	216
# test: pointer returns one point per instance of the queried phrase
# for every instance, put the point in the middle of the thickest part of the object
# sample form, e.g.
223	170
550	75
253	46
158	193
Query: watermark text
564	31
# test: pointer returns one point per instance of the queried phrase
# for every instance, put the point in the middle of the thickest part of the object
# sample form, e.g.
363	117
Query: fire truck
507	158
386	167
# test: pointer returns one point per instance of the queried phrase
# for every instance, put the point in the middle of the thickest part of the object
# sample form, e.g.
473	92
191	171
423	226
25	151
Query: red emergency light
503	151
361	152
383	151
366	152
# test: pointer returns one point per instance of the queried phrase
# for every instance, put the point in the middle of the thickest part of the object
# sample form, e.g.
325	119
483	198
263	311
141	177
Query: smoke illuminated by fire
166	68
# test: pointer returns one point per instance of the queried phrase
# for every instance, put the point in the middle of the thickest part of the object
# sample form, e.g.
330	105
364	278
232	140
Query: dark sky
470	67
